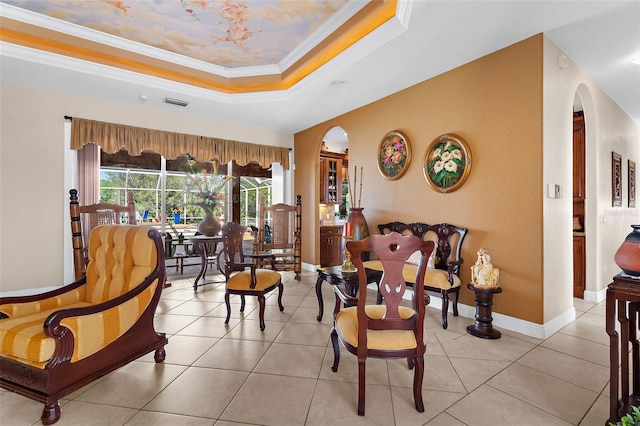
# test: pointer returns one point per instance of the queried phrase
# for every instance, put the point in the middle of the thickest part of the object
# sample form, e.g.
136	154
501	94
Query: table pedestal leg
482	327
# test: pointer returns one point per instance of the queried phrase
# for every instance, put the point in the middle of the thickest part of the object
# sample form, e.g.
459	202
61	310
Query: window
120	173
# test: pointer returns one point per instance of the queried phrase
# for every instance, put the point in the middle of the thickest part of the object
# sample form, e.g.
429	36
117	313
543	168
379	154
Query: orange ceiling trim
362	23
357	27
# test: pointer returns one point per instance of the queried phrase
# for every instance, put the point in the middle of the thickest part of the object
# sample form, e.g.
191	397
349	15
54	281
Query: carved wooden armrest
26	305
453	267
71	339
341	295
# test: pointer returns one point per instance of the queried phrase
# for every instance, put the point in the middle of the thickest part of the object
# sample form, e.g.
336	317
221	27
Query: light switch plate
554	191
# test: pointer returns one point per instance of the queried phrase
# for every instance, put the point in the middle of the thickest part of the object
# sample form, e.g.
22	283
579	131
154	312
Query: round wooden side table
484	301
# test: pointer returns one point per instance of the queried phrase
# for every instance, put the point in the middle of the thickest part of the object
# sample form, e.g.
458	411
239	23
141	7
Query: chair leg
445	309
336	349
159	355
280	290
242	303
227	302
418	374
261	311
455	302
50	413
362	368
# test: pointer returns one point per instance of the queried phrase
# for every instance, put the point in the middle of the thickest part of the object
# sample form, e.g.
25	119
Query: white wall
34	178
608	129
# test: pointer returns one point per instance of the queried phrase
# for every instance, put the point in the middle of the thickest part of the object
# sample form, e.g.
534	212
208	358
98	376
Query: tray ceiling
226	45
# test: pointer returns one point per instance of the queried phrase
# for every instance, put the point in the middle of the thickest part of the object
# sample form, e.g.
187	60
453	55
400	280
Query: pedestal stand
484	300
623	313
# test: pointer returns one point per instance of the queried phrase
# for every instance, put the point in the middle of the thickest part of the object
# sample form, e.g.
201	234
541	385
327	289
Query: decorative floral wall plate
394	155
447	163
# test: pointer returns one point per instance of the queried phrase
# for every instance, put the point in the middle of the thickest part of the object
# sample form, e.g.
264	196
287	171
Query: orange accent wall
495	104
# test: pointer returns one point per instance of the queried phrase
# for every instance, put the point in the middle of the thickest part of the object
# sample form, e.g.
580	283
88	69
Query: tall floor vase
628	255
210	226
359	227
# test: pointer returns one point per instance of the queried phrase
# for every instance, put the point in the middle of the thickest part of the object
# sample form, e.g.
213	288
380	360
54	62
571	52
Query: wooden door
578	267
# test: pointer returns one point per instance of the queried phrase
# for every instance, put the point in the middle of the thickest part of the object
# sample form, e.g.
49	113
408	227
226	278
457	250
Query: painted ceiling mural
228	33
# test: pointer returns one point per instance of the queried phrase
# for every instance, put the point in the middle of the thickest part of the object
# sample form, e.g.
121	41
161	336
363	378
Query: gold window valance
112	137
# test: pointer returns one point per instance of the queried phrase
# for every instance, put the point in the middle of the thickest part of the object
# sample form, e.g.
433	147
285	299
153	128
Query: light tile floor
236	375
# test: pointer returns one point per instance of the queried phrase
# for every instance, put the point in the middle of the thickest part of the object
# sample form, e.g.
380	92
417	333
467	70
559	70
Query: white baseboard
309	267
595	296
539	331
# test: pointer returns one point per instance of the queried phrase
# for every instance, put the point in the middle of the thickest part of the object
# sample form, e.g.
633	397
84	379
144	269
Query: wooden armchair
88	217
386	330
444	276
54	343
285	240
244	277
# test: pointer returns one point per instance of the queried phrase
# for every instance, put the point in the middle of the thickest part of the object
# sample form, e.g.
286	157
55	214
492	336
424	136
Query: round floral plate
447	163
394	155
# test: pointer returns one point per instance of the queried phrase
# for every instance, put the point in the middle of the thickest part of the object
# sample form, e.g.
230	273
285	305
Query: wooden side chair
88	217
54	343
244	275
444	275
284	241
387	330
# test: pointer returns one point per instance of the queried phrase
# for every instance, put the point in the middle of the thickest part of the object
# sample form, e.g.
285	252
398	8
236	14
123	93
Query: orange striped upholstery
20	309
94	332
23	337
120	258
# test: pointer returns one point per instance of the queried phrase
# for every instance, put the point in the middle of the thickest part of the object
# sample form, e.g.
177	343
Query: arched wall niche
336	140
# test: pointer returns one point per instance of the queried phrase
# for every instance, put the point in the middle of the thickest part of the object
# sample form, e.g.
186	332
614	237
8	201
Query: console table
623	305
334	275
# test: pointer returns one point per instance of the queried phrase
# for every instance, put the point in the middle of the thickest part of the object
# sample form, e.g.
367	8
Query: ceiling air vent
176	102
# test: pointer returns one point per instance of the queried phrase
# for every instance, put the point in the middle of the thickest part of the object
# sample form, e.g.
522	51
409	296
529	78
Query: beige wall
608	129
35	177
495	104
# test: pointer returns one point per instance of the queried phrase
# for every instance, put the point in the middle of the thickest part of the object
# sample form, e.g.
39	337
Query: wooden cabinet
330	178
331	245
578	266
578	158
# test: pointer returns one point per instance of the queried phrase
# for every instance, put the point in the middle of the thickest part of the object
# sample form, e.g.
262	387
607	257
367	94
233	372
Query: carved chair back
447	238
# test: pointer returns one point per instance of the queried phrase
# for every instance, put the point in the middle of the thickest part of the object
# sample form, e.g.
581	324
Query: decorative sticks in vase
352	195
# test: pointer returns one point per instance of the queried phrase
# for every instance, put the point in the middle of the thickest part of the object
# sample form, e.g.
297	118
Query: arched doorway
334	195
